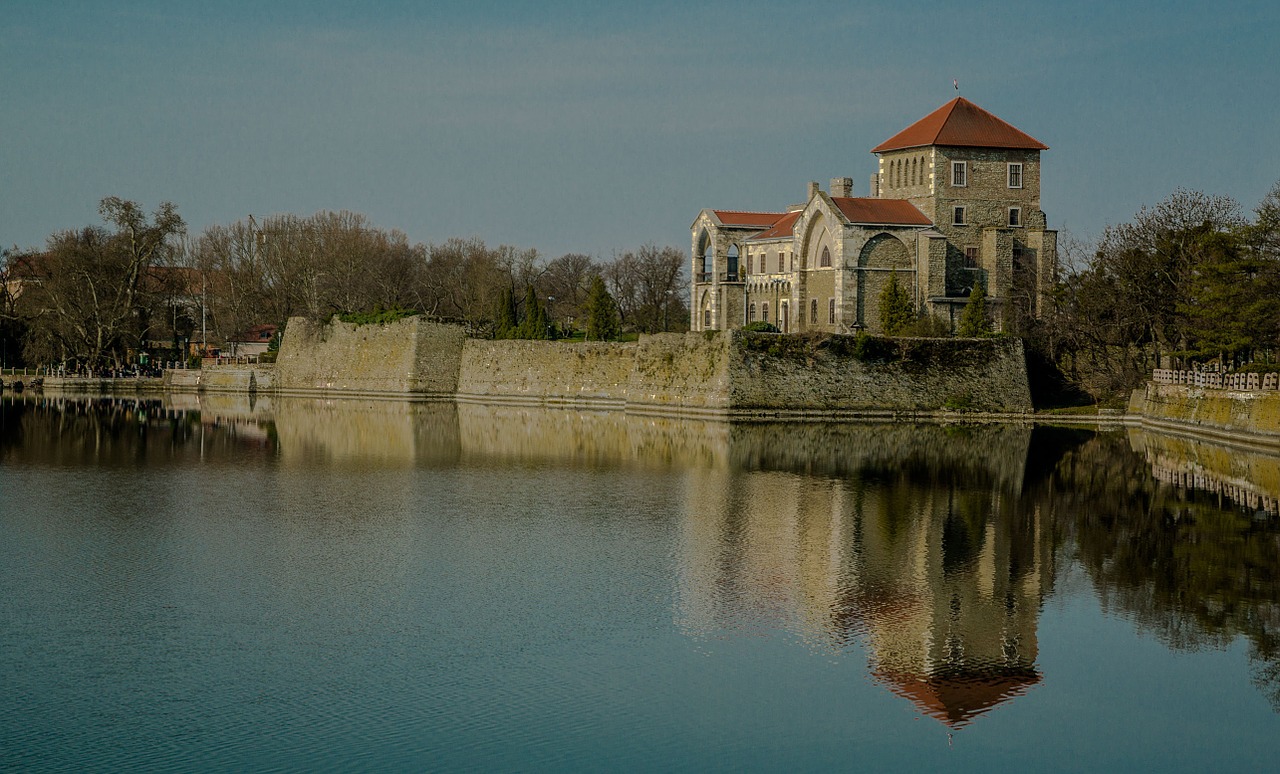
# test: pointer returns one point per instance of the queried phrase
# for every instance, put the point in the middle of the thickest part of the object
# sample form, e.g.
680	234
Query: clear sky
591	126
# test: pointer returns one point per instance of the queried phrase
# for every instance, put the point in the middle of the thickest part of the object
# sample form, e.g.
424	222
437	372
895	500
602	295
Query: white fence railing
1213	380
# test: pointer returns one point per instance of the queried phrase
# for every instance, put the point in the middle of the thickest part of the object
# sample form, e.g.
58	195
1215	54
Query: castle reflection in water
912	541
929	548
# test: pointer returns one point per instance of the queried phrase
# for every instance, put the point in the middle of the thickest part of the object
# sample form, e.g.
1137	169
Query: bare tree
90	289
648	286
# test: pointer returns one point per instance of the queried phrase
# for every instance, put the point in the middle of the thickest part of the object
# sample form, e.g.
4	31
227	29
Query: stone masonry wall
409	356
906	375
1213	412
713	372
673	371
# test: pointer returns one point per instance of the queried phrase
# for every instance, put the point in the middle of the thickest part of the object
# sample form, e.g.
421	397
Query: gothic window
764	311
959	173
813	311
706	318
831	311
751	313
914	172
825	262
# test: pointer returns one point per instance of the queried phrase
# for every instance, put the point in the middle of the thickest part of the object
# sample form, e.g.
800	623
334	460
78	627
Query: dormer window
1015	176
959	174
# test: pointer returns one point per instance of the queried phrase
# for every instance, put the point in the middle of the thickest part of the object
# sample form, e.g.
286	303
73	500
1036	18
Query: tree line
99	295
1192	282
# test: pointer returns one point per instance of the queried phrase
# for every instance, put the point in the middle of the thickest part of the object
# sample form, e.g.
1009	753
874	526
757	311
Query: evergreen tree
602	312
974	322
534	325
896	313
504	324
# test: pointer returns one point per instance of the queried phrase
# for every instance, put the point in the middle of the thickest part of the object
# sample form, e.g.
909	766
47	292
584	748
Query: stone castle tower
955	202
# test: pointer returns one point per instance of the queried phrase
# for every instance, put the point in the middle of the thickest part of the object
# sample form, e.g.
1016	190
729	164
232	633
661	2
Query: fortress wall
409	356
771	374
238	379
1224	414
545	372
682	372
712	372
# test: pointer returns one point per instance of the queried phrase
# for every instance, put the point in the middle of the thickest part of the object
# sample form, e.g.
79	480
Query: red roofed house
955	201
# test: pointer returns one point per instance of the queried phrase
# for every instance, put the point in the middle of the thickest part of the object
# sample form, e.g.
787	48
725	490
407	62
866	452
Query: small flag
955	83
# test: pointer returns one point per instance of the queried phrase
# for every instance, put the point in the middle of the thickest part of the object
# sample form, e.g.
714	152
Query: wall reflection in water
930	548
909	539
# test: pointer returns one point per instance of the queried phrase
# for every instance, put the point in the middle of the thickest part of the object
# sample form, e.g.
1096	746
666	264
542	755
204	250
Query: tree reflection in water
933	548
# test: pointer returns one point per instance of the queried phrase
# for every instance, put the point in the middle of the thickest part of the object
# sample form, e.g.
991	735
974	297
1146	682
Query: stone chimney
842	187
813	190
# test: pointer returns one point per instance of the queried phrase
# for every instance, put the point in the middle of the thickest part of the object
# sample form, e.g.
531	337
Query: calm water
309	585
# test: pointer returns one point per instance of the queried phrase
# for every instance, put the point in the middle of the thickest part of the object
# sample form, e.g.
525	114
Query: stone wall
237	379
798	375
666	371
1228	415
409	356
721	373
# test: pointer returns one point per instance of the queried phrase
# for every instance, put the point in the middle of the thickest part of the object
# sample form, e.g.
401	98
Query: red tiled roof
897	212
760	219
782	229
956	699
960	123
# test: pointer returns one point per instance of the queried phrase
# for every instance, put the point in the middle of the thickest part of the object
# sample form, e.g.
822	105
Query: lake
219	583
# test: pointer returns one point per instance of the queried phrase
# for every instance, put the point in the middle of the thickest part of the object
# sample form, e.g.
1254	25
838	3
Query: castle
955	202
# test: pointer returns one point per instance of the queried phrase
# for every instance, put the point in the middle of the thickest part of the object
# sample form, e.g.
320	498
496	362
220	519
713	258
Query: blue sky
593	127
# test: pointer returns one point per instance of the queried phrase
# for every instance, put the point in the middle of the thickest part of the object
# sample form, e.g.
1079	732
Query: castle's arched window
826	258
751	313
764	311
831	311
913	172
813	311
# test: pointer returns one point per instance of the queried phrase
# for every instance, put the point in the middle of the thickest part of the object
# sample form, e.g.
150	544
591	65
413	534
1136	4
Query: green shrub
760	327
376	317
870	349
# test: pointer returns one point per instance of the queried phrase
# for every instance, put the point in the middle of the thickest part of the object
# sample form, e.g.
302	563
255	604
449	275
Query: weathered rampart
407	357
665	372
1222	414
847	374
715	373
